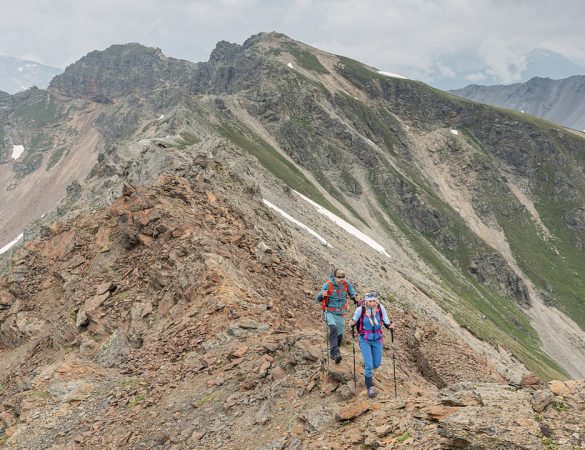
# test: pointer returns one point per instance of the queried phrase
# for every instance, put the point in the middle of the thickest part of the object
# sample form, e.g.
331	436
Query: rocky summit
180	218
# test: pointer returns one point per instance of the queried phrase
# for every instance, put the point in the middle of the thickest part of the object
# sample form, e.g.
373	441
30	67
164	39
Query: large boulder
503	418
114	350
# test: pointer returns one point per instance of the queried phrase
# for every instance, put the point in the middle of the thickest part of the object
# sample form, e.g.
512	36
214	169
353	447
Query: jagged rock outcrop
121	70
492	269
497	416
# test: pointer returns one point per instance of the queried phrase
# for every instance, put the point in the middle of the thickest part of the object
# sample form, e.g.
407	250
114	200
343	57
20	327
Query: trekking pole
326	338
393	361
353	345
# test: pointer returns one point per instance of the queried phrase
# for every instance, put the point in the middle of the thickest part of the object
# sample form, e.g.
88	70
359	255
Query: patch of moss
357	70
55	157
39	394
275	163
39	110
305	58
135	401
560	406
549	444
204	400
185	140
403	437
188	138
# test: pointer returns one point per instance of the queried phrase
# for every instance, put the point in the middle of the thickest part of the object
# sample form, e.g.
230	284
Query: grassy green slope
327	135
486	313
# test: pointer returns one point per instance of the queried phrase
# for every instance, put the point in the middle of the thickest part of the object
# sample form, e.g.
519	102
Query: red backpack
330	289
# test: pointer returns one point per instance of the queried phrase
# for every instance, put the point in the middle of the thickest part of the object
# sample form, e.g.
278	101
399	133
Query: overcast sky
416	38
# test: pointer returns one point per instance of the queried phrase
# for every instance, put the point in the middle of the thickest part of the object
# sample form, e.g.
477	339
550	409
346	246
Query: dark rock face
576	219
563	187
121	70
492	270
423	217
121	124
230	69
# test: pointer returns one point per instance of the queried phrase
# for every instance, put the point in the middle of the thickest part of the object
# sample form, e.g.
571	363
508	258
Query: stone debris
184	328
353	410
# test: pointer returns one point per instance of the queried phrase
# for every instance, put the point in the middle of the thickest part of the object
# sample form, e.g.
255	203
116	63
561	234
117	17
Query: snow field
296	222
10	244
346	226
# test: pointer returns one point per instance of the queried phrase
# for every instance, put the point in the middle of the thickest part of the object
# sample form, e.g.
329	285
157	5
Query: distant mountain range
465	67
560	101
18	75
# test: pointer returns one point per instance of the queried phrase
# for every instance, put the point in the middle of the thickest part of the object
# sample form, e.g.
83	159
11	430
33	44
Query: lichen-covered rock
503	419
114	350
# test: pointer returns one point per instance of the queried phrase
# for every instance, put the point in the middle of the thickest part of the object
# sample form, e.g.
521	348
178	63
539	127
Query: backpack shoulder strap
330	288
361	320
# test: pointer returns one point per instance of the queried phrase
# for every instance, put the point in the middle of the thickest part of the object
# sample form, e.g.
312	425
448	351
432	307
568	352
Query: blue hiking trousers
372	354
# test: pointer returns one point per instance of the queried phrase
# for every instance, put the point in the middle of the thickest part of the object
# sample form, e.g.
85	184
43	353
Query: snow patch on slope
17	151
346	226
10	244
296	222
392	75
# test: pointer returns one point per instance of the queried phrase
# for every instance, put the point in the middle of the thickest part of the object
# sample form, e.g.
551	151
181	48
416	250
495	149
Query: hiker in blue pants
333	298
369	317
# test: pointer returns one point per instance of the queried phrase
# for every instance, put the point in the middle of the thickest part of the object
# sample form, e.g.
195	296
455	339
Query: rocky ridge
479	209
169	320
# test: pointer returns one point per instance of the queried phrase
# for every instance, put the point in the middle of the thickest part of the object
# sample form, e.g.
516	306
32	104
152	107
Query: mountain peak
17	75
120	70
270	37
549	64
224	50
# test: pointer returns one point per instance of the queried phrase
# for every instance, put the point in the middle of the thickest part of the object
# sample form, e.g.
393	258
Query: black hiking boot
336	355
